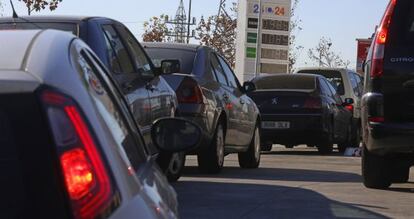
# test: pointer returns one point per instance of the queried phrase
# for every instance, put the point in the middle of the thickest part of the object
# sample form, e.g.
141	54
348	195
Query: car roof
275	76
180	46
57	19
13	54
322	69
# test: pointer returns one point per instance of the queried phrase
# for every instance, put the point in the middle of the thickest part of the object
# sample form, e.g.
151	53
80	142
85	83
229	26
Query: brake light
189	92
87	181
313	103
377	68
350	107
378	119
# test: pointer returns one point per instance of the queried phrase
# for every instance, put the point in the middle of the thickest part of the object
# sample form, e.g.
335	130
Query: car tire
401	175
348	141
251	158
267	147
176	167
376	172
211	161
356	136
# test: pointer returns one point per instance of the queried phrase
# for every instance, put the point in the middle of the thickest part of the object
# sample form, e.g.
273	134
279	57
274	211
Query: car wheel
326	146
375	171
267	147
251	158
212	160
348	141
176	166
401	175
356	137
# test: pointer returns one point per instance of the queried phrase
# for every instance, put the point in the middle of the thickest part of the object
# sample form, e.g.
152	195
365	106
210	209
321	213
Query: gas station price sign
263	37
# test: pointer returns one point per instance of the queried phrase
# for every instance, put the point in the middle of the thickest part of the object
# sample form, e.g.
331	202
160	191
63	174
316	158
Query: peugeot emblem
275	101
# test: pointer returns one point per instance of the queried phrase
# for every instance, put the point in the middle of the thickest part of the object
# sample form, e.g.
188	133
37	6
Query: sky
343	21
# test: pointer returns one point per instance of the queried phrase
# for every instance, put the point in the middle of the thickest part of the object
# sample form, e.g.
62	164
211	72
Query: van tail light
87	182
313	103
377	68
189	92
377	119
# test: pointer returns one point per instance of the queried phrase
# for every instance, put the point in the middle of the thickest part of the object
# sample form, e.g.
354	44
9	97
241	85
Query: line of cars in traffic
96	122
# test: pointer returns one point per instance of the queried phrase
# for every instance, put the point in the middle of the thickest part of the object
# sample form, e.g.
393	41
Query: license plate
275	125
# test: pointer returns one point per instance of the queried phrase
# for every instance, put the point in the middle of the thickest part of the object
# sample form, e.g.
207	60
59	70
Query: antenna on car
14	11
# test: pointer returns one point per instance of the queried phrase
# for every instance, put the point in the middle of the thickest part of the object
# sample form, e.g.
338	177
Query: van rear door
397	82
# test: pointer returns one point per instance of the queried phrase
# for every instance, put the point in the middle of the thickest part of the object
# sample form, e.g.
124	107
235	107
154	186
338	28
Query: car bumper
389	138
304	129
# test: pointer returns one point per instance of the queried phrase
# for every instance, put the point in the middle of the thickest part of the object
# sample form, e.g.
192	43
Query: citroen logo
275	101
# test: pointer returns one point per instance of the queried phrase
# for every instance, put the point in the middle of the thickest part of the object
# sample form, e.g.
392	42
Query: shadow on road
233	200
279	174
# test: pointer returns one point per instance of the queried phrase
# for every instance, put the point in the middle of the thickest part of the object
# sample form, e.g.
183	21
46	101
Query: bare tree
38	5
325	57
219	32
295	28
156	29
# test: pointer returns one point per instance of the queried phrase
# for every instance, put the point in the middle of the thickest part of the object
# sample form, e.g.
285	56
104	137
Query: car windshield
335	77
286	82
185	57
68	27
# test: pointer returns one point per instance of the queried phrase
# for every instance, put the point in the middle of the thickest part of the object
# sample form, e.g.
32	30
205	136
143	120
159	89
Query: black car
209	94
388	100
301	109
69	146
149	95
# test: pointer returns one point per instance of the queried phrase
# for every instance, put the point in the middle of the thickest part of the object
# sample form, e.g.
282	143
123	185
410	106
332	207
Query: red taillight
313	103
87	181
350	107
377	68
189	92
378	119
78	173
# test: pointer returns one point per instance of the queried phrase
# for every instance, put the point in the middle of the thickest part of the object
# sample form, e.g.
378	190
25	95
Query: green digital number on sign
250	52
252	37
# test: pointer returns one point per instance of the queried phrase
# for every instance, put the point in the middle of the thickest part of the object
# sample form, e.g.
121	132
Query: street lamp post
258	40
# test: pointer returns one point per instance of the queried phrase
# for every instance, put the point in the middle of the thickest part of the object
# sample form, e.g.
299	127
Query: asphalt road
296	183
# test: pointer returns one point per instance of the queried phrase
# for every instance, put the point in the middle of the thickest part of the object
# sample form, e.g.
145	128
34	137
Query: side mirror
170	66
349	101
249	86
175	135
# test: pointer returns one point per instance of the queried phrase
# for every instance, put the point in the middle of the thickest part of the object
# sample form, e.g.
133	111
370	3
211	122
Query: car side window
218	70
141	61
324	88
229	73
335	94
109	109
354	83
116	49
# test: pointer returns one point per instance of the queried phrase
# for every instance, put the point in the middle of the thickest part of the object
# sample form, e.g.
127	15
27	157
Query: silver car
69	145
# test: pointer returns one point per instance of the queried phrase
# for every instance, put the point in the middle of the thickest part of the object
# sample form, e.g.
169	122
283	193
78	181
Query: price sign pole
259	40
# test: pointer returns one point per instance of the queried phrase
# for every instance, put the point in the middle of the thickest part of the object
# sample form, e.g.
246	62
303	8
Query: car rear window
185	57
68	27
285	82
335	77
402	24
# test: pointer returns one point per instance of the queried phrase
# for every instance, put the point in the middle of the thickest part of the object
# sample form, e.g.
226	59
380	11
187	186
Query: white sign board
269	36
